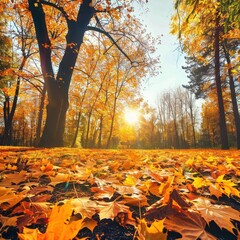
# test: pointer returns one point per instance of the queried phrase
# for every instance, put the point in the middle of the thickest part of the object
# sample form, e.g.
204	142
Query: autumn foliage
66	193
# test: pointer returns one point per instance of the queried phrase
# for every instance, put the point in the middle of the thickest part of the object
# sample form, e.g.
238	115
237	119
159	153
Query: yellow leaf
30	234
226	186
165	187
130	181
200	182
62	225
155	231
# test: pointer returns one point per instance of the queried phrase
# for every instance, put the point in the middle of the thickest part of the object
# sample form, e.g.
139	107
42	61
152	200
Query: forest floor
64	193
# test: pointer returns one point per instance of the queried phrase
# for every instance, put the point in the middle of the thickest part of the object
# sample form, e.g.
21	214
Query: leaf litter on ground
65	193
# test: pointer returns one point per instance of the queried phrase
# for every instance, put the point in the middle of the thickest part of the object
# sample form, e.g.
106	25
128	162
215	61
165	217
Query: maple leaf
103	192
199	182
136	200
226	186
9	200
13	178
47	168
126	190
30	234
220	214
215	191
189	224
61	218
130	181
155	231
59	177
111	209
85	206
166	188
7	221
151	187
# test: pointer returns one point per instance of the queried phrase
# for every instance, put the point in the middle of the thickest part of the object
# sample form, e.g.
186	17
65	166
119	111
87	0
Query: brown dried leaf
9	200
190	225
85	206
220	214
8	221
103	192
111	209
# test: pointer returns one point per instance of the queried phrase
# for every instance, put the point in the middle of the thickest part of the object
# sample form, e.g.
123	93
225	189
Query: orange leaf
62	225
221	215
110	210
155	231
190	226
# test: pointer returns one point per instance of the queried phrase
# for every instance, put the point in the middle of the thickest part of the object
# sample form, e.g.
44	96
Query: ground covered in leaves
64	193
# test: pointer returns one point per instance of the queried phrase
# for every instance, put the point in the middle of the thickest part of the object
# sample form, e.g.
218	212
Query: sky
157	20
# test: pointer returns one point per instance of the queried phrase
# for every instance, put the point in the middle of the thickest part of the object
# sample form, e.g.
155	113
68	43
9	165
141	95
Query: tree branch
56	7
133	63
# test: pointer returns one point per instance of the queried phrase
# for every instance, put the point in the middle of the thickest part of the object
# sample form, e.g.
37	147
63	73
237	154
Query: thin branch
113	41
64	13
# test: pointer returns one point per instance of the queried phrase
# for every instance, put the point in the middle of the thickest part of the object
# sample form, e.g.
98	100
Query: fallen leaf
30	234
154	232
103	192
86	207
221	215
111	209
190	225
60	225
9	200
7	221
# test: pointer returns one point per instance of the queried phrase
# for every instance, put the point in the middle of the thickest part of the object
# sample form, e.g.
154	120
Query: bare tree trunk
193	125
40	116
222	120
88	129
112	122
100	132
233	96
77	129
9	114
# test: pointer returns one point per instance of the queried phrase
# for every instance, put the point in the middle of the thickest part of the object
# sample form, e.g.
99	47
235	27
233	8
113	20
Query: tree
77	22
22	50
200	24
177	119
233	92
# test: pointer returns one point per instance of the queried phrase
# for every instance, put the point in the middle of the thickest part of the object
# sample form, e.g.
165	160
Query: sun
131	116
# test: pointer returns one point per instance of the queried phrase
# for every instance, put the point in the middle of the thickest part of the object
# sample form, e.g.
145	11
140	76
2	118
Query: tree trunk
9	114
112	122
40	116
233	96
222	120
57	87
88	129
55	122
193	126
77	129
100	132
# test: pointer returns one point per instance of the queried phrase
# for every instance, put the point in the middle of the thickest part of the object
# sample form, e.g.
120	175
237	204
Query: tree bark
40	116
222	120
57	87
233	96
77	129
9	114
